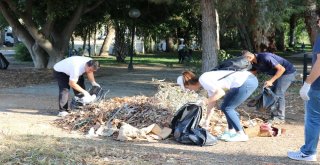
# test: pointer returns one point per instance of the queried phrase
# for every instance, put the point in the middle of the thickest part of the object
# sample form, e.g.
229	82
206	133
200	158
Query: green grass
162	58
171	59
145	59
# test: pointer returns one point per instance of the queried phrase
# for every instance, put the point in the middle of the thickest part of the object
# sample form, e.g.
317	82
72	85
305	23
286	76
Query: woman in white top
235	88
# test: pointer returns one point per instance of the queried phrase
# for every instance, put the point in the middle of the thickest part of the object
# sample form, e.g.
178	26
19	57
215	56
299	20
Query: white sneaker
63	114
238	137
301	156
226	135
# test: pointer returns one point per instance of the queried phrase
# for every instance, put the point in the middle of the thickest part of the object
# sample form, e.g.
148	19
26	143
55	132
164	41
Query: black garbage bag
186	129
266	101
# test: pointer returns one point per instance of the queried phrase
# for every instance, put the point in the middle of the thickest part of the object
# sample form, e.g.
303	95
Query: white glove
86	94
88	99
95	84
304	91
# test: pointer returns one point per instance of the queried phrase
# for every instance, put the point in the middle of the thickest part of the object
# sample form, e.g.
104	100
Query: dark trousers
6	62
181	56
63	83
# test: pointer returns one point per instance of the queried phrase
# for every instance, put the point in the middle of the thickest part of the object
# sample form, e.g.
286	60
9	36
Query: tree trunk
209	53
95	41
89	42
310	18
48	45
170	44
292	27
217	30
149	44
280	39
84	38
72	43
245	37
121	48
104	51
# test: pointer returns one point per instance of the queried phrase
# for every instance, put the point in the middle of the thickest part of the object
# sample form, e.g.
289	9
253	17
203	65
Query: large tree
45	26
209	44
310	19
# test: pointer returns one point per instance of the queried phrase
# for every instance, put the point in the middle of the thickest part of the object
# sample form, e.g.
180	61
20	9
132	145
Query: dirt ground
28	105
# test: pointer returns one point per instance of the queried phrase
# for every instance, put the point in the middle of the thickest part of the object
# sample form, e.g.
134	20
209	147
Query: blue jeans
280	87
311	123
234	98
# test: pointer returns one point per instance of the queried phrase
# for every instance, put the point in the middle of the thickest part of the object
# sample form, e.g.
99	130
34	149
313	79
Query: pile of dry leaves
106	117
142	115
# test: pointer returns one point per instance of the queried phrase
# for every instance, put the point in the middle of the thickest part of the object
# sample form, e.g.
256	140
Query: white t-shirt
209	80
73	66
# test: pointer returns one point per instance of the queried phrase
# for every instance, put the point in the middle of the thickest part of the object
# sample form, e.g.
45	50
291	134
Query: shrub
223	55
22	53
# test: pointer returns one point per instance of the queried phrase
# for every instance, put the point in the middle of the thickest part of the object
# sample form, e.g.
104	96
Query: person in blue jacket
281	72
310	93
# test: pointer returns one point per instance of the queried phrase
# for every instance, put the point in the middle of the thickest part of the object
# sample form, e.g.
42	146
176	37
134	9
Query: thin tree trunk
95	41
293	24
72	43
104	51
84	41
217	30
89	42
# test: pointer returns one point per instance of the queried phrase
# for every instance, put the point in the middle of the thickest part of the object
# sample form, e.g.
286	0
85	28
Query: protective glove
304	91
88	99
86	94
95	84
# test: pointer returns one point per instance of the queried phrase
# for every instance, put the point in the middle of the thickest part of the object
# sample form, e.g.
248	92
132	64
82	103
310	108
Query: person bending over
69	73
235	89
282	74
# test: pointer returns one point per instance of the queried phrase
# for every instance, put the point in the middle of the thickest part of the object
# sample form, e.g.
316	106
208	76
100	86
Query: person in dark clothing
4	63
282	74
310	93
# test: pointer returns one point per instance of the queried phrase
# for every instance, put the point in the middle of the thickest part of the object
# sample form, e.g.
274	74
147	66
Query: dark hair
94	64
189	78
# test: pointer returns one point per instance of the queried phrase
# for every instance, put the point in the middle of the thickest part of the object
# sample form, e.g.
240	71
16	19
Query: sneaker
238	138
276	120
63	114
226	135
301	156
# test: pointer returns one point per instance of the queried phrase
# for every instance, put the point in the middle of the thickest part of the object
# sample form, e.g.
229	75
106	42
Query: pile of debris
139	117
